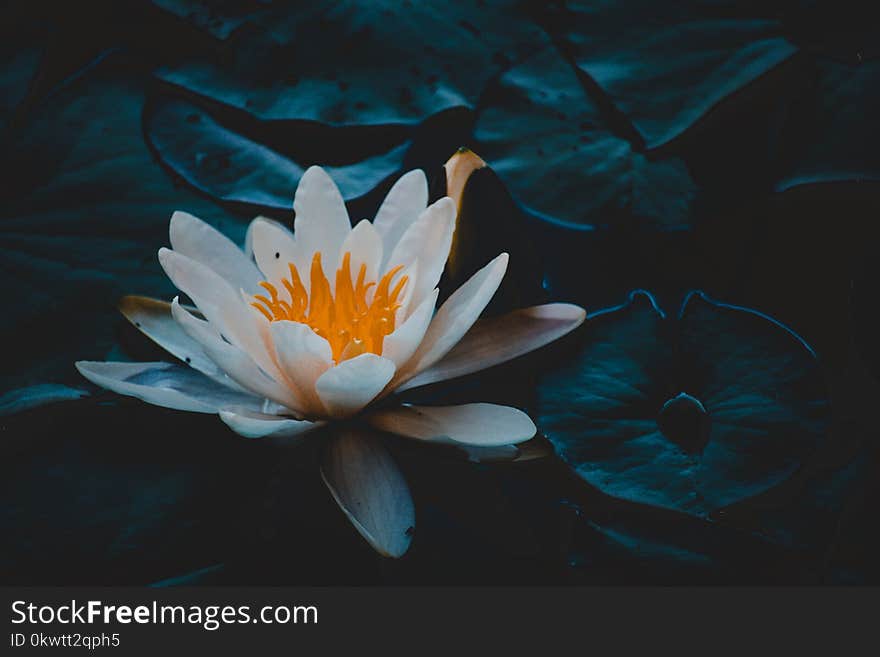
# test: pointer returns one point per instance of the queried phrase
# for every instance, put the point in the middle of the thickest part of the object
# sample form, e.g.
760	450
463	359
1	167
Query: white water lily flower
316	325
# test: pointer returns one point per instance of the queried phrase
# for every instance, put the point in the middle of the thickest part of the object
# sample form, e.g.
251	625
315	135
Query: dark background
729	147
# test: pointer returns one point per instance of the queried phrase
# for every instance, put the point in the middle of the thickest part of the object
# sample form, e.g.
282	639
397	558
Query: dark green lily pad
233	165
604	540
550	142
693	413
666	65
331	62
84	213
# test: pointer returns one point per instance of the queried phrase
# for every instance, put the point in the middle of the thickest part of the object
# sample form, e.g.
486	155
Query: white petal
482	425
406	200
455	318
304	356
321	222
205	244
499	339
274	249
249	237
220	303
164	384
153	317
370	489
427	242
352	384
365	246
234	362
402	342
252	424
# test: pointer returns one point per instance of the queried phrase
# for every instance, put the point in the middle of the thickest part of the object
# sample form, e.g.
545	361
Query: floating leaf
665	66
693	414
331	63
597	539
548	140
86	209
231	166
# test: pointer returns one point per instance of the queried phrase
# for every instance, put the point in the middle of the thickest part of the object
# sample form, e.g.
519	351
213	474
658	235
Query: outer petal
321	222
274	249
370	489
203	243
455	318
221	305
154	318
164	384
426	242
406	200
304	356
459	168
252	424
234	362
365	246
401	344
249	236
500	339
482	425
352	384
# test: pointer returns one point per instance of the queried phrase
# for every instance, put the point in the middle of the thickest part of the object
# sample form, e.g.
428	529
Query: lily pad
85	210
233	165
331	62
604	540
665	66
550	142
693	413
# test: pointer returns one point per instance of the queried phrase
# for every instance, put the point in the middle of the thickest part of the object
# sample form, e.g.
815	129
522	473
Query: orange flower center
351	321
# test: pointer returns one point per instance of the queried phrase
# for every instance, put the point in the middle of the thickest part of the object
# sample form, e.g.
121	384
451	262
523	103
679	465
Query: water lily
320	325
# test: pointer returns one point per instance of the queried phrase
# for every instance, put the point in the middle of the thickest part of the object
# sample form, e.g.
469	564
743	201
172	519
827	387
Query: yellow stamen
347	319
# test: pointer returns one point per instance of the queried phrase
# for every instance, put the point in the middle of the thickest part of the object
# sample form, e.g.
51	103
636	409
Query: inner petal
354	315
